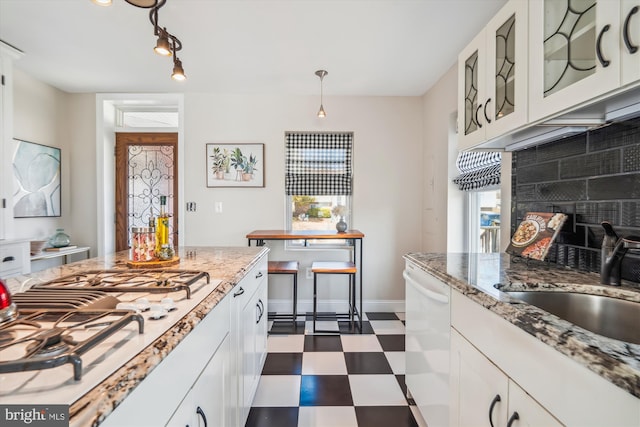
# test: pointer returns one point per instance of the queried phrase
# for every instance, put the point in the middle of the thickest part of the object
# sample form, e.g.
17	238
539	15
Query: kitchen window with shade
318	184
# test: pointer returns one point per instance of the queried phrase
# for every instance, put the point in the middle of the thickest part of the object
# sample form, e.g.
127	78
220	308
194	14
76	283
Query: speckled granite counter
475	275
229	265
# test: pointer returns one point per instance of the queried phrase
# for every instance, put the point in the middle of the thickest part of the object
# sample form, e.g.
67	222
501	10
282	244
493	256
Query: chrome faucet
614	249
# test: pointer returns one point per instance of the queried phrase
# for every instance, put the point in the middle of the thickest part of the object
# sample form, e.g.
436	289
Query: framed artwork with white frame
235	165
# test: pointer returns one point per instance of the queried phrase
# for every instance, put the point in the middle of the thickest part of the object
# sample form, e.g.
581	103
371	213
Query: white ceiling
369	47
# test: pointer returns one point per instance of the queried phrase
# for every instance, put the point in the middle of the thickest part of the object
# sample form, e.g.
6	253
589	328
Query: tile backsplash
592	177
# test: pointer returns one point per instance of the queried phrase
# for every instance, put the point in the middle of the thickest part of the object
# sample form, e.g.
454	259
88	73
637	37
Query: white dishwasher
428	336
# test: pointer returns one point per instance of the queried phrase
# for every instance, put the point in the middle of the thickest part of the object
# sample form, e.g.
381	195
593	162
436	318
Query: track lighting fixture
167	44
321	74
163	47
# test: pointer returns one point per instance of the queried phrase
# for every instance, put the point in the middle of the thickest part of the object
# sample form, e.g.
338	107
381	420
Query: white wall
40	116
387	195
387	182
438	105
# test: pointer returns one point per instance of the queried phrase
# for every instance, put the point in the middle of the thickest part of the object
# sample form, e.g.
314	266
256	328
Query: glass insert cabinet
492	83
576	51
538	59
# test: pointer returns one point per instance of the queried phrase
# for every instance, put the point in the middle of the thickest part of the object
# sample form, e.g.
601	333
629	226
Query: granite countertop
475	275
227	264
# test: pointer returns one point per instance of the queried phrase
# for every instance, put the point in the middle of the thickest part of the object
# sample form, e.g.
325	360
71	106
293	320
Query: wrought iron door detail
569	43
471	94
150	176
505	68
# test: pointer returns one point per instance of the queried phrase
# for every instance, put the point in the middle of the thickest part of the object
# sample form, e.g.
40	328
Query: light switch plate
218	207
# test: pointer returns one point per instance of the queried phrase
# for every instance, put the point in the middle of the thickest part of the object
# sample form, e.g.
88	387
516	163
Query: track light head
178	71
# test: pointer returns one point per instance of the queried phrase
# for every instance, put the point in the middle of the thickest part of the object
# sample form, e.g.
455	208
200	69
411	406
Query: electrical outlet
191	206
309	273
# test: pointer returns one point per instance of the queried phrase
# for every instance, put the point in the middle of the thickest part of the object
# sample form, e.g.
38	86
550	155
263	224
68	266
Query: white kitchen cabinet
207	403
14	258
492	78
196	373
630	19
483	395
560	387
574	53
249	336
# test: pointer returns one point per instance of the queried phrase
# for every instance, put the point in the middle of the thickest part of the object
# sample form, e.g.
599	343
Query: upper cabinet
538	60
492	78
630	18
576	50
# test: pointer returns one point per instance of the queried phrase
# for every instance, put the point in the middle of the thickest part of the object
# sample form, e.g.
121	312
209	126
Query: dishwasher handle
441	298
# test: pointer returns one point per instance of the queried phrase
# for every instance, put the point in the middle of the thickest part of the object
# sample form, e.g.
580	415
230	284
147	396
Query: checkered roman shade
318	164
478	169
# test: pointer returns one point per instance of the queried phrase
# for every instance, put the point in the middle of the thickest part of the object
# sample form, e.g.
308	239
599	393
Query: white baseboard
339	306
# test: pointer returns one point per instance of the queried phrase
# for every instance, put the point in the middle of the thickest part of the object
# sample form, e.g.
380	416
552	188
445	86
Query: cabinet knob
515	417
494	402
625	33
477	120
200	412
486	104
605	63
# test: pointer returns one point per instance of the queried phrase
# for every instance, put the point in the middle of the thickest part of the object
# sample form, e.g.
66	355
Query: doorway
146	167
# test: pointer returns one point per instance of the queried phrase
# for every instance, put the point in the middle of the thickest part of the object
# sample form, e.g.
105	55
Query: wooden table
353	236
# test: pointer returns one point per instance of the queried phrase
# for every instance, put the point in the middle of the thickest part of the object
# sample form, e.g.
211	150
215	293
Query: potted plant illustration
249	166
340	211
237	162
218	159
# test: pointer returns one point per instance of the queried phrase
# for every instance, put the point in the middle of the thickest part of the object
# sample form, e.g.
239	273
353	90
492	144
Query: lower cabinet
211	377
483	395
249	336
207	403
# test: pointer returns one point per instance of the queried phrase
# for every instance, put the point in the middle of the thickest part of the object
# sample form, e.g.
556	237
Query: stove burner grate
45	337
151	281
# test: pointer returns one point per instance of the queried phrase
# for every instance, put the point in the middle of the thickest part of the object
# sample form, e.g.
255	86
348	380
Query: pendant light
321	74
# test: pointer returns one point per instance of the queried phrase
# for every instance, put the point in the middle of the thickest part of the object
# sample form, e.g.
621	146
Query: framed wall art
235	165
37	184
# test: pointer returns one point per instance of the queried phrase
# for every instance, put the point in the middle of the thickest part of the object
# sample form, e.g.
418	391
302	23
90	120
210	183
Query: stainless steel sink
610	317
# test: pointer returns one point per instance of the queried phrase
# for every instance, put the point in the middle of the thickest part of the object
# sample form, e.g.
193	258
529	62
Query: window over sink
318	183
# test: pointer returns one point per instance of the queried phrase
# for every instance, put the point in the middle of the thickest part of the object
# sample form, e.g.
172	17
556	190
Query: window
318	182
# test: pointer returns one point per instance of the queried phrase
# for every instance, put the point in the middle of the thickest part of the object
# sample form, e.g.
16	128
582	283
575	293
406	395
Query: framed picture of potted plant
235	165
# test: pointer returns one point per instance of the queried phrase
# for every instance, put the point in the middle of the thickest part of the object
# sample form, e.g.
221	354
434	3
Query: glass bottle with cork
164	250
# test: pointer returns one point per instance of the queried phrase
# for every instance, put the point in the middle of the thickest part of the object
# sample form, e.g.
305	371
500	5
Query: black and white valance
318	164
478	169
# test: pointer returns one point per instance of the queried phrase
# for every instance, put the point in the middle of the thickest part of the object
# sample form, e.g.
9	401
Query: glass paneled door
146	168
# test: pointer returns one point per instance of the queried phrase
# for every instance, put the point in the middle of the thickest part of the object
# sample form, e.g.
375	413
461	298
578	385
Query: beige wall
438	105
387	162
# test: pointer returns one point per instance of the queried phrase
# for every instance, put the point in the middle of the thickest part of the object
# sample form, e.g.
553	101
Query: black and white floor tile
335	380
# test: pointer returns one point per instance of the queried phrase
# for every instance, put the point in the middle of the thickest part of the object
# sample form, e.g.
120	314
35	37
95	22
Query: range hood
601	112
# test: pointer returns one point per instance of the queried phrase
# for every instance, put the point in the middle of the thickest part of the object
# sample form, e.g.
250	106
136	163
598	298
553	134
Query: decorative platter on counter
535	234
156	263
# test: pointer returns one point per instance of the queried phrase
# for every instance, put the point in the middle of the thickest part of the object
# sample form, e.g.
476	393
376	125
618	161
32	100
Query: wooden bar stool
287	267
336	267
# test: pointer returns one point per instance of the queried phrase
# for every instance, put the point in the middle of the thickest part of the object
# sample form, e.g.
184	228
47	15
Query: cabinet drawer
253	279
12	258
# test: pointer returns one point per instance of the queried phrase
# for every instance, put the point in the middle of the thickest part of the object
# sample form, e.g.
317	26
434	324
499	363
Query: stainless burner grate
152	281
47	338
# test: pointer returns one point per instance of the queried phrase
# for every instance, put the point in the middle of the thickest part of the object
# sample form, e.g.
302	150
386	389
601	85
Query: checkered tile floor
334	380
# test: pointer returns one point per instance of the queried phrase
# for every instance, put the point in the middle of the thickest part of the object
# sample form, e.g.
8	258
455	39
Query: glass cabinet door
574	53
471	94
630	19
507	45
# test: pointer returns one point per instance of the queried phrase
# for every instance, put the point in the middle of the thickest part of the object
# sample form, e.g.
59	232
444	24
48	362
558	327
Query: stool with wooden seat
287	267
336	267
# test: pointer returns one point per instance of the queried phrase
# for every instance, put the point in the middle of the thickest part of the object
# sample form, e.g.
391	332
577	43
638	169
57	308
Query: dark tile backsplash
592	177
